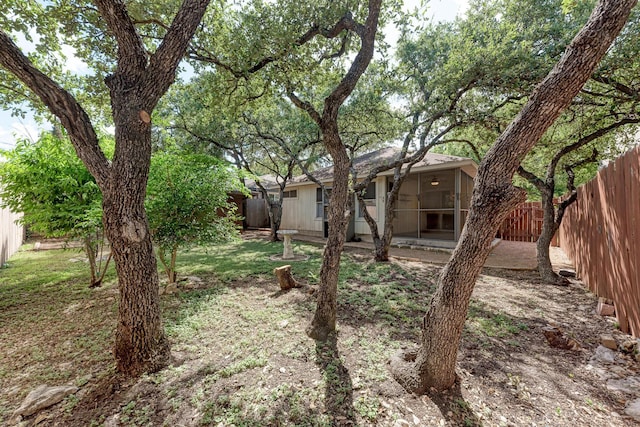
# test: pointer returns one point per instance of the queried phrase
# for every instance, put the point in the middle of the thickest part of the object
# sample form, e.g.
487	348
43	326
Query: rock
605	307
557	338
171	288
633	409
629	385
40	418
609	342
604	355
401	423
565	272
629	346
43	397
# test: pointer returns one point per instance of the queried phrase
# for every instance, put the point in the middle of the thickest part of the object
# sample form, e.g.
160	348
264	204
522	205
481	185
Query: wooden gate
523	224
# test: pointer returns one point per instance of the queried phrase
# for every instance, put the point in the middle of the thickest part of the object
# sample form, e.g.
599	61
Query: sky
12	128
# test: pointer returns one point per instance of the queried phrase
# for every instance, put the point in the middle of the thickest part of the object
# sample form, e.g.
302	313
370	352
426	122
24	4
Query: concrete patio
505	254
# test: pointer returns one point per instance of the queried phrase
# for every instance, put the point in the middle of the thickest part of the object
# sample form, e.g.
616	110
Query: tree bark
549	228
432	365
324	319
275	217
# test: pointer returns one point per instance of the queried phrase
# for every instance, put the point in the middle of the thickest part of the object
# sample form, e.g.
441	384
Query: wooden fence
523	224
11	234
601	234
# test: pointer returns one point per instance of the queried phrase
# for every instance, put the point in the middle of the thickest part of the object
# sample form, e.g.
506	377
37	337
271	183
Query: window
322	203
369	201
291	194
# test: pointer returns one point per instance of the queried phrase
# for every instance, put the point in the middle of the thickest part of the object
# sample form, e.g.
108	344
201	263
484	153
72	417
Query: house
432	205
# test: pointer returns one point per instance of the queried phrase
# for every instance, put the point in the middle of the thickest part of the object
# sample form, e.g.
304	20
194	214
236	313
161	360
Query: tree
188	204
432	365
58	197
590	130
235	124
137	80
301	66
340	206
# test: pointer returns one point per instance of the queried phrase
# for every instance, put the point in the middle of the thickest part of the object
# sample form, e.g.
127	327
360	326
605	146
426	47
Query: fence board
523	224
600	233
11	234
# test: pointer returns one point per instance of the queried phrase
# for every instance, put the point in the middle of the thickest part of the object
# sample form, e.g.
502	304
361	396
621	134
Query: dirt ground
244	359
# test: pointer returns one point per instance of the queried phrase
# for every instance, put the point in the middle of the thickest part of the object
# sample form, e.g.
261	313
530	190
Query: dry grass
242	358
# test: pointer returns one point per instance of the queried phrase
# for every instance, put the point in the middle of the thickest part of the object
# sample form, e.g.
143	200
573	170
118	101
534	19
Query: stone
557	338
42	397
565	272
629	385
629	346
605	307
633	409
401	423
604	355
609	342
171	288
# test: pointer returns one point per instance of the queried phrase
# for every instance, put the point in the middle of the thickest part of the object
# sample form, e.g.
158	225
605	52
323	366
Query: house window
322	203
369	201
291	194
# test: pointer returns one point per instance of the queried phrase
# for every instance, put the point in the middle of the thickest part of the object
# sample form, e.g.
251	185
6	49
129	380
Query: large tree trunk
140	342
433	363
324	320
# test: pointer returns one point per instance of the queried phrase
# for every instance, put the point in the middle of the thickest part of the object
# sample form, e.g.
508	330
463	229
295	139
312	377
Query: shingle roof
363	164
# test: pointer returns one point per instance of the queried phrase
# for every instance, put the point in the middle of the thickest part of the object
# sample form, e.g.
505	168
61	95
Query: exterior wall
11	234
299	213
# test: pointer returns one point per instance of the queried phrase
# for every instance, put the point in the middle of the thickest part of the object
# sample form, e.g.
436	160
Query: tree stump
285	278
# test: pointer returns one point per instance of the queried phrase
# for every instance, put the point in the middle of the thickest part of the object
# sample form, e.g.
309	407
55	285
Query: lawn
241	356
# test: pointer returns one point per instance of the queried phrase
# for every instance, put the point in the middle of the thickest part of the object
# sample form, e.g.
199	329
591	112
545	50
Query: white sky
12	128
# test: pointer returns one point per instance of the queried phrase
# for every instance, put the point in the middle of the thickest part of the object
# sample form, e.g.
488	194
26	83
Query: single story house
431	209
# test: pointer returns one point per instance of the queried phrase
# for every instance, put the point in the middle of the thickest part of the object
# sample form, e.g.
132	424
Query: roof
365	163
268	181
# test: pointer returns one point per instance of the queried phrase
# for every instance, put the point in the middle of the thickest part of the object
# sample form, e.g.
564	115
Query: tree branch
164	62
61	104
132	56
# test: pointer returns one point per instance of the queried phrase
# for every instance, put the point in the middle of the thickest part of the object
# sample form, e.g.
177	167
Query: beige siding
299	213
11	234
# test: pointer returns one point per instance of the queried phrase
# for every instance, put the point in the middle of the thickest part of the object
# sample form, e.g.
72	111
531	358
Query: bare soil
241	358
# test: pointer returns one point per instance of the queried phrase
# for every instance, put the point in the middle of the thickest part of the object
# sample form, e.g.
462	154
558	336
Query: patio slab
505	254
